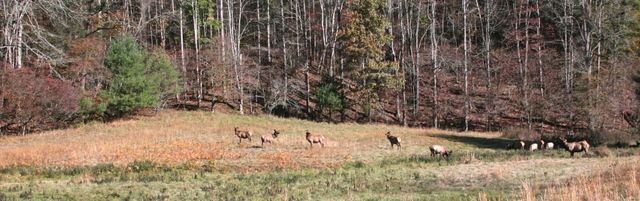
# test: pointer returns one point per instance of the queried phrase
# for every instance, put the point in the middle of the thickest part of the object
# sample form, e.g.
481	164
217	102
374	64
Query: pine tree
136	84
364	37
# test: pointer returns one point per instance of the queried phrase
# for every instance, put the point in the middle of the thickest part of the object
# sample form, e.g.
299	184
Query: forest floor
196	156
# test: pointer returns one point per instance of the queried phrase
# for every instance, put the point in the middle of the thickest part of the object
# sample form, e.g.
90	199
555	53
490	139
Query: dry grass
199	150
175	137
618	180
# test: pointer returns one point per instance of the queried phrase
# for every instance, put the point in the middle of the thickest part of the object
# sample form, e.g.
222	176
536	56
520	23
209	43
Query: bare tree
23	32
466	68
237	28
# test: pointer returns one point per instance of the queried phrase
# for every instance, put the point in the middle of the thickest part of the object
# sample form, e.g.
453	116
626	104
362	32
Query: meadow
196	156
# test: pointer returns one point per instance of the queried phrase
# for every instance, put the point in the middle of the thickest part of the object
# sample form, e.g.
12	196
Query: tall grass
618	182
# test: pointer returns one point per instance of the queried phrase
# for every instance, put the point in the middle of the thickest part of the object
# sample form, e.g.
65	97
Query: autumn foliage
31	101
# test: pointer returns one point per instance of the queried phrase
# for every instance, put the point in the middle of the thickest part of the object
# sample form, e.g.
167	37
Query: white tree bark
466	68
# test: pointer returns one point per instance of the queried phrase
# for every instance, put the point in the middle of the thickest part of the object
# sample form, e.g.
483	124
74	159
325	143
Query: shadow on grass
480	142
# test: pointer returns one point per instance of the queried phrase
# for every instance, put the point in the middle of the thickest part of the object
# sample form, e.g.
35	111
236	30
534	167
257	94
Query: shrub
91	108
610	137
30	101
137	84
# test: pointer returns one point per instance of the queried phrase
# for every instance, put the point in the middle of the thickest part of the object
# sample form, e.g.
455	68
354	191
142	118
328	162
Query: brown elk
394	140
440	151
315	138
574	147
269	138
242	134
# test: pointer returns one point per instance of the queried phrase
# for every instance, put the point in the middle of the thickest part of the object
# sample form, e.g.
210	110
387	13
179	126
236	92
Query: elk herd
436	150
571	147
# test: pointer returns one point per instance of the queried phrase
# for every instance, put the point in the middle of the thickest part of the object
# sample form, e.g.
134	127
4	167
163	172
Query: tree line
470	65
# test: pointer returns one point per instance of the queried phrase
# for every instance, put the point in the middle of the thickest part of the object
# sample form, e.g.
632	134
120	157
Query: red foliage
87	71
31	102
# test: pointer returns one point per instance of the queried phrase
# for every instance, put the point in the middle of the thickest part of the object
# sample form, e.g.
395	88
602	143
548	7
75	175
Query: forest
545	66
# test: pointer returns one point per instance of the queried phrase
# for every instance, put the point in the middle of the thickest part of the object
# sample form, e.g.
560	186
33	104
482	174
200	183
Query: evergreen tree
136	84
364	39
329	96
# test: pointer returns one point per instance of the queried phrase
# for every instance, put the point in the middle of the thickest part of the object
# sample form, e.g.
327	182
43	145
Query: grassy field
195	156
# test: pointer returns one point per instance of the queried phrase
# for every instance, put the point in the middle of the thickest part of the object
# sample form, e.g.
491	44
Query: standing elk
269	138
394	140
440	151
315	138
574	147
242	134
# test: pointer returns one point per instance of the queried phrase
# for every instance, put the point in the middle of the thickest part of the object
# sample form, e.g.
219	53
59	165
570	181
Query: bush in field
30	101
138	80
92	108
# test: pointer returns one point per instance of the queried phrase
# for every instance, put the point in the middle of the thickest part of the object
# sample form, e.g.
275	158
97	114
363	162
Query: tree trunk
434	60
182	62
269	31
196	31
466	68
284	56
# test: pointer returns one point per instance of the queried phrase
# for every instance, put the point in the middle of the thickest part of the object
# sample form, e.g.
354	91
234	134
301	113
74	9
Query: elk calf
315	138
394	140
440	151
269	138
242	134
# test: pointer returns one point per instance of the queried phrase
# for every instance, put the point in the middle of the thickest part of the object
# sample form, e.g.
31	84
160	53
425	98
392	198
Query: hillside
195	155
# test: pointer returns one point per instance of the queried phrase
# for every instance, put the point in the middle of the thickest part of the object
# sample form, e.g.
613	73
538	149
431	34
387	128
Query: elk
533	147
440	151
548	145
269	138
516	145
394	140
573	147
242	134
315	138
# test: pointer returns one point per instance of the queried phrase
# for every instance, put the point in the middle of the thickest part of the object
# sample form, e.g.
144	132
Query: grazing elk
516	145
546	145
394	140
315	138
269	138
533	147
573	147
242	134
440	151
